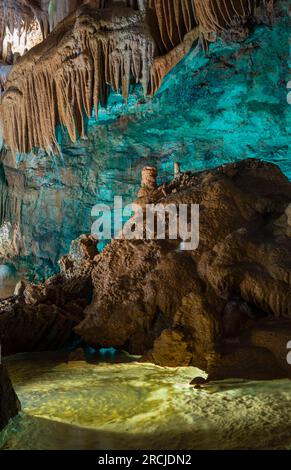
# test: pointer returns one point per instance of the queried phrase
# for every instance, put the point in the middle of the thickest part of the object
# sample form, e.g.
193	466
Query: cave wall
97	50
213	108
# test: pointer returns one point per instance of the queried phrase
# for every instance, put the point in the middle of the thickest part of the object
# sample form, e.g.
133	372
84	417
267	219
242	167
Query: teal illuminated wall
227	105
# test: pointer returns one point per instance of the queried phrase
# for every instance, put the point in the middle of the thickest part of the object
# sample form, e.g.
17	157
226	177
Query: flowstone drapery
104	46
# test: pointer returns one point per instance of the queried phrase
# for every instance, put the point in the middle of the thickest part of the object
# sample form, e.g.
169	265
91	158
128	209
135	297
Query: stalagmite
177	170
148	180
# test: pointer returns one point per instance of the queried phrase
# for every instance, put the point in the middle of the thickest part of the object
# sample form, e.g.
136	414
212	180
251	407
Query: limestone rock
20	287
170	349
22	15
42	316
78	263
101	46
34	187
77	355
224	307
197	382
84	249
9	403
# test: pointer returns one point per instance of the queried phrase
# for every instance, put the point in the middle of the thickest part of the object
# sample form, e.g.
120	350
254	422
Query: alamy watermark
150	222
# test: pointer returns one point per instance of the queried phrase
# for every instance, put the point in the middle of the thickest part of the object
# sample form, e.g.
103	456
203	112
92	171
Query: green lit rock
226	105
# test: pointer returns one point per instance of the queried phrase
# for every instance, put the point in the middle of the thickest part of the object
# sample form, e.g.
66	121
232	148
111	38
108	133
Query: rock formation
47	199
102	46
58	10
21	15
224	307
9	403
41	317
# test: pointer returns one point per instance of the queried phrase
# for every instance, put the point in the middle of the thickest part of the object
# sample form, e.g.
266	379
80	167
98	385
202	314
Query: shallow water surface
129	405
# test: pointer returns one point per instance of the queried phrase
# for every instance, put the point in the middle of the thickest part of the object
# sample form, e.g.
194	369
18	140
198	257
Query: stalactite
163	65
175	19
64	84
104	46
216	15
22	15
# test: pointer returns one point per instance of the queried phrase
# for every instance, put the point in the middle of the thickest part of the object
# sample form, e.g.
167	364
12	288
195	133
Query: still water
109	404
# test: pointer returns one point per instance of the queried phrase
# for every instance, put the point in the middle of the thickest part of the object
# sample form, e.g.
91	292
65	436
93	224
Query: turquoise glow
107	351
212	109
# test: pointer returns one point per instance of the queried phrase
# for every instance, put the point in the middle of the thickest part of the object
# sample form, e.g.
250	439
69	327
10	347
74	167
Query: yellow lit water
128	405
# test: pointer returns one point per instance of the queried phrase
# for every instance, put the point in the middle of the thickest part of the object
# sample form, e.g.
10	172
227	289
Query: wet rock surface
224	307
236	91
9	403
42	316
127	37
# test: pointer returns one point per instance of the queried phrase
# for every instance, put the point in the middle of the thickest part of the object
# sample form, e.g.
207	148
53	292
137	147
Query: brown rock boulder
38	327
225	307
170	349
42	317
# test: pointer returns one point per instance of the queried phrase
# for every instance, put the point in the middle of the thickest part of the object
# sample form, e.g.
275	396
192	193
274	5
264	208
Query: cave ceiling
92	47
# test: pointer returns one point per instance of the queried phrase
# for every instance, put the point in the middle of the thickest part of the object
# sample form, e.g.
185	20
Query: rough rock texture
41	317
21	15
9	403
96	49
43	208
225	307
237	92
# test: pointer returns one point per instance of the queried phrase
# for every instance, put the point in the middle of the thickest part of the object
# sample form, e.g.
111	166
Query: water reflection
128	405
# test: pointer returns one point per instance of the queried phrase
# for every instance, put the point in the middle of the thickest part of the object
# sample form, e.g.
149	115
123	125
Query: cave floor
117	403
